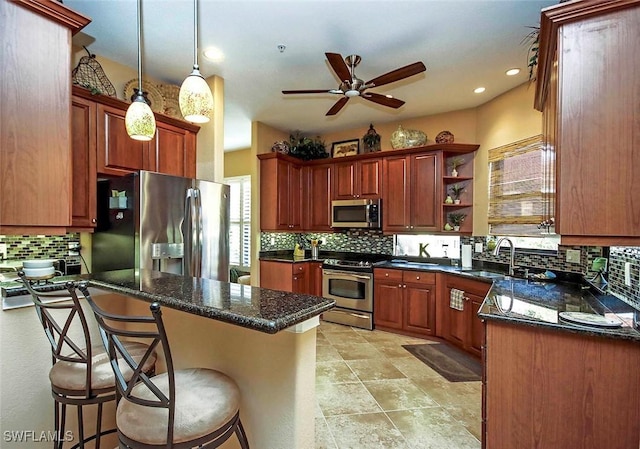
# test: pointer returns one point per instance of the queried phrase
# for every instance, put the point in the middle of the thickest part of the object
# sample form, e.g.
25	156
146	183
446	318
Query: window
240	221
521	188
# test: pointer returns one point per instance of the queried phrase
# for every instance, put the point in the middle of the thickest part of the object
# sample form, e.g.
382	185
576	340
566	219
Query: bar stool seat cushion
205	401
71	376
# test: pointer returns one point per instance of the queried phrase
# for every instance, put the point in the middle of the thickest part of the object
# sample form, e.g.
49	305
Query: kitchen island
264	339
550	383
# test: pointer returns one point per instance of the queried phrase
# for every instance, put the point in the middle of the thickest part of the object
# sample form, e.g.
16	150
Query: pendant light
139	120
196	100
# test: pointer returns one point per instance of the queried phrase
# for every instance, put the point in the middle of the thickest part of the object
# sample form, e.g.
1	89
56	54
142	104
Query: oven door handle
342	273
357	315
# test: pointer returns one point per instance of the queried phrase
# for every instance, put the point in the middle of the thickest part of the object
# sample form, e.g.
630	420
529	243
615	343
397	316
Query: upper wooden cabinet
358	179
319	192
280	193
411	200
172	151
35	139
588	89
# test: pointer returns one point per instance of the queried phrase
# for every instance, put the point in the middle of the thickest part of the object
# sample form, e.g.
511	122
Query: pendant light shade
195	99
139	120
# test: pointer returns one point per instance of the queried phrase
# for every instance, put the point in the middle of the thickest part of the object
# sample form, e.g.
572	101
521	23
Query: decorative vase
448	227
454	173
407	138
281	146
456	201
448	200
444	137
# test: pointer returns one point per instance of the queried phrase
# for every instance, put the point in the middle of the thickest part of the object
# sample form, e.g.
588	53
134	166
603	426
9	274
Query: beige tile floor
372	393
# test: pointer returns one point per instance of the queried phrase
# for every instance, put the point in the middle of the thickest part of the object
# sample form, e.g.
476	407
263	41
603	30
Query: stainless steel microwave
356	214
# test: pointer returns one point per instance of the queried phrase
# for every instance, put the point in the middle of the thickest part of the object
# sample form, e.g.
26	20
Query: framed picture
345	148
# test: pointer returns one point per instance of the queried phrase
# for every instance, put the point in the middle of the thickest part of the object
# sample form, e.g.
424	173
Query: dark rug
450	362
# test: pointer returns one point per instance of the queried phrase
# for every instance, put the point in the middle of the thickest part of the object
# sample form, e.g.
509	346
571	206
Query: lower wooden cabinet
464	328
405	301
296	277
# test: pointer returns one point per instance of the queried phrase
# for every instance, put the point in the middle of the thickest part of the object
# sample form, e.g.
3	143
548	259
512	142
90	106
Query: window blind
240	221
521	187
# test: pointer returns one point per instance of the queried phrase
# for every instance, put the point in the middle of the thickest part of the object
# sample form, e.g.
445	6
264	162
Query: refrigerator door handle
197	222
188	233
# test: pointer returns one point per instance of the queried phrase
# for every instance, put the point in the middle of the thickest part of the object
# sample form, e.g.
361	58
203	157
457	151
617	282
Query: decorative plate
171	93
153	94
590	319
444	137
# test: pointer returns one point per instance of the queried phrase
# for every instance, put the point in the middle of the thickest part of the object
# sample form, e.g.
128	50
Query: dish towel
457	299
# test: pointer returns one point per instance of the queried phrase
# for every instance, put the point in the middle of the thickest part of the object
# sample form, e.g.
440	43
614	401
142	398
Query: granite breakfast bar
264	339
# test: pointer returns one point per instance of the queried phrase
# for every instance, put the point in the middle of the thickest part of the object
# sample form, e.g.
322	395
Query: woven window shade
519	189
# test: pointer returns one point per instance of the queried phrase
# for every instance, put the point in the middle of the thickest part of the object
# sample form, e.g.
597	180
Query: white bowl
40	263
38	272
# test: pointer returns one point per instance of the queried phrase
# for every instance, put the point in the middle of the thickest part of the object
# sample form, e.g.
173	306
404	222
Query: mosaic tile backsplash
618	257
366	241
22	247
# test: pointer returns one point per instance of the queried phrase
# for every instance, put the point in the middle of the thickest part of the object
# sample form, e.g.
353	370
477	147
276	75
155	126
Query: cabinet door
294	197
457	324
276	275
283	200
300	278
369	178
83	143
315	278
345	181
118	154
318	181
419	308
395	199
172	151
387	304
425	200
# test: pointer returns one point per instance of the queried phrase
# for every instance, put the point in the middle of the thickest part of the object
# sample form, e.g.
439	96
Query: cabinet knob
386	274
399	285
300	268
411	226
404	286
417	278
93	220
407	227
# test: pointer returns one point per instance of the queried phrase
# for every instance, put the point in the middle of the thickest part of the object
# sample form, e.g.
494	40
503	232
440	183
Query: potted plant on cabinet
454	163
456	190
456	219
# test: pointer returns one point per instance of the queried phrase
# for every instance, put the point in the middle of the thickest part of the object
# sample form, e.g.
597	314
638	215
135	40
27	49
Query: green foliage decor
306	148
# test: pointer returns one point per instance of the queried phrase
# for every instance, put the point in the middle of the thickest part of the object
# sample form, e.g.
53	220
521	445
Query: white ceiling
463	43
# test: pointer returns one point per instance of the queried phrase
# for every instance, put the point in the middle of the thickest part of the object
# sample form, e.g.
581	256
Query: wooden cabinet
464	181
286	276
404	301
319	192
35	140
172	151
411	199
587	88
360	179
463	327
280	193
83	143
315	278
550	389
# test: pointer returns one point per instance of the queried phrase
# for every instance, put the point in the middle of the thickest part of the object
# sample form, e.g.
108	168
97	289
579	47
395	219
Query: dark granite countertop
255	308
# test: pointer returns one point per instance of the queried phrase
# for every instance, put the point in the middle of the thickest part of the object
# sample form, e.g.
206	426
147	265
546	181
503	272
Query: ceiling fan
352	86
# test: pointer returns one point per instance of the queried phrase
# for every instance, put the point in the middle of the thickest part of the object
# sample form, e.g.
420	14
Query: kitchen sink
484	274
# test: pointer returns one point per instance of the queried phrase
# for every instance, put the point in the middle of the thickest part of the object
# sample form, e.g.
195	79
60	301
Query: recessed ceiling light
213	54
479	90
512	72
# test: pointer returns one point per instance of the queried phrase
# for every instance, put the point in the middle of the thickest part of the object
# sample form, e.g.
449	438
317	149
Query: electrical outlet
478	248
74	249
273	240
3	251
627	274
573	256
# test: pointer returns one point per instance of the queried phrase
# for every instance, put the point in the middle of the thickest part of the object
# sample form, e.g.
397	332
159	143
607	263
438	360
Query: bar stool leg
80	428
99	426
242	437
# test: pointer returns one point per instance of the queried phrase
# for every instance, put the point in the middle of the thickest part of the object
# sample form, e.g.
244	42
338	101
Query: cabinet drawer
418	277
298	268
385	274
479	288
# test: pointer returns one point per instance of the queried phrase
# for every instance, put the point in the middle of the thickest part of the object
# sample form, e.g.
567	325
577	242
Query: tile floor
372	393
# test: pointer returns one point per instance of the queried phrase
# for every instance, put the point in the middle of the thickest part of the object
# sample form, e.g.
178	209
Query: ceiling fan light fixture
139	120
352	93
195	98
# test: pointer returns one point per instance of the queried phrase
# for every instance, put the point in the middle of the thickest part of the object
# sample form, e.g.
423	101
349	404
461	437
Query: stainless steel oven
350	284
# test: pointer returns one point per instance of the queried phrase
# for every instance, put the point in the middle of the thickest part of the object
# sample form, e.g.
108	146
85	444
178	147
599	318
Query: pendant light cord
195	35
139	49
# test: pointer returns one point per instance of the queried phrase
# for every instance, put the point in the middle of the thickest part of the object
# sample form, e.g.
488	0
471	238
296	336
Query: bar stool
176	409
81	374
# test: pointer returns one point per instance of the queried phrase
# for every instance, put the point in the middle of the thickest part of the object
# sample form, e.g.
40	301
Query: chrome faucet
512	252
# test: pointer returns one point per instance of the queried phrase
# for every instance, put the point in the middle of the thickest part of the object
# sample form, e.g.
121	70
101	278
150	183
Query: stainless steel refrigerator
164	223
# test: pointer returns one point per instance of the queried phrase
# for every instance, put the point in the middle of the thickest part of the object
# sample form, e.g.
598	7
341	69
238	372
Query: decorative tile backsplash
365	241
39	246
618	257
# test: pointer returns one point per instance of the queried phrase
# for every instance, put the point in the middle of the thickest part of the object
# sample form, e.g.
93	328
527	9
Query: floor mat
450	362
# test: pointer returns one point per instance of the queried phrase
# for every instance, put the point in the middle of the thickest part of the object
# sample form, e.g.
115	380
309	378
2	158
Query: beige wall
237	163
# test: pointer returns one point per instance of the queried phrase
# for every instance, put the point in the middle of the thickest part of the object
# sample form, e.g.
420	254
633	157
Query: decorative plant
533	40
305	148
456	190
456	218
454	163
371	139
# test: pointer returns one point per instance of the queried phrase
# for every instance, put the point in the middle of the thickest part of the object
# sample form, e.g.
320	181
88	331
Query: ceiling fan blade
397	75
383	100
337	106
339	66
316	91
